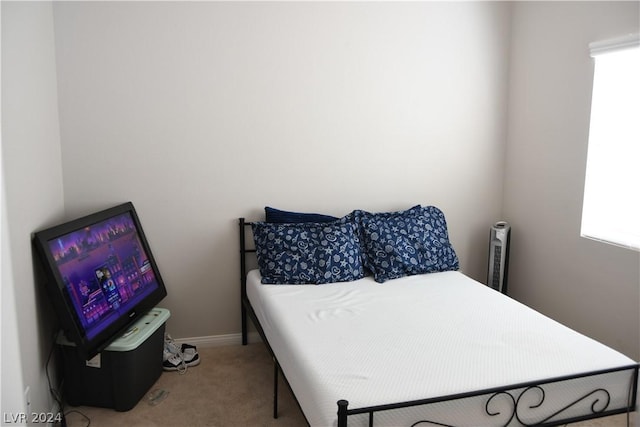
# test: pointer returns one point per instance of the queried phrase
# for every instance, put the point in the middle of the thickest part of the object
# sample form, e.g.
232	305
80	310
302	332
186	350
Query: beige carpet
232	386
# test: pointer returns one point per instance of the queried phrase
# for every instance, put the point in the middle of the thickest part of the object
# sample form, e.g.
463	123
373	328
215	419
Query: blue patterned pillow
360	217
405	243
287	217
308	253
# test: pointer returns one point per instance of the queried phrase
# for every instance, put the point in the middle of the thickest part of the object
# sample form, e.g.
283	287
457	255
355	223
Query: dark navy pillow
405	243
307	253
286	217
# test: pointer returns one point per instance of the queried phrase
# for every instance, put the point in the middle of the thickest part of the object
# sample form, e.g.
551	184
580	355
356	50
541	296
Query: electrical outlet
27	399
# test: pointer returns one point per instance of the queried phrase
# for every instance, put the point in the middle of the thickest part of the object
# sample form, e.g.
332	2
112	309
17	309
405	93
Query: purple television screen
105	270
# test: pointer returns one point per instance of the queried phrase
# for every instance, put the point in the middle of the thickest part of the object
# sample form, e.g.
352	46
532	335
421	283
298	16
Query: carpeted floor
232	386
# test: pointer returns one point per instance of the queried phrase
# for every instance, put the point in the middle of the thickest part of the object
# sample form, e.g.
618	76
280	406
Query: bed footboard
529	404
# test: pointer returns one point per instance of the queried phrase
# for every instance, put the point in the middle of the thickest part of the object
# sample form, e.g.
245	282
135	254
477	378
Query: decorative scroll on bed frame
521	399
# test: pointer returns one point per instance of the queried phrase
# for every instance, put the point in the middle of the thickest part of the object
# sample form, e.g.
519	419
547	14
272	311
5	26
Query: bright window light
611	206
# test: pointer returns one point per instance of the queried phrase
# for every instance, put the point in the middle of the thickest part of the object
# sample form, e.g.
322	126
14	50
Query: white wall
200	112
32	175
11	398
587	285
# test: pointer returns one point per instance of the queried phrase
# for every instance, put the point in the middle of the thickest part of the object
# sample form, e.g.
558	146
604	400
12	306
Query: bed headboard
243	224
244	251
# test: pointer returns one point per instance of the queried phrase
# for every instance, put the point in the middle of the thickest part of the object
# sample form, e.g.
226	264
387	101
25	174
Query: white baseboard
218	340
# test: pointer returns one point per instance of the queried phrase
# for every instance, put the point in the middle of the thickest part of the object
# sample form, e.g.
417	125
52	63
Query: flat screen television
100	275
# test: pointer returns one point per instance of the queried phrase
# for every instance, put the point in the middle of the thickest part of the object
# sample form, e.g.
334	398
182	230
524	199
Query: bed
416	342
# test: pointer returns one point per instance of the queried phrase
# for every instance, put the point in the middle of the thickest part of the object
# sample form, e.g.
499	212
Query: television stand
123	372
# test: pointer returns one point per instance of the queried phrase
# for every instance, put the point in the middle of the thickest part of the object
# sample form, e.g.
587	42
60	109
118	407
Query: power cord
55	393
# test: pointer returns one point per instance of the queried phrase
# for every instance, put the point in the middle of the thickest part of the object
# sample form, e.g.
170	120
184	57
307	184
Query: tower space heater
498	270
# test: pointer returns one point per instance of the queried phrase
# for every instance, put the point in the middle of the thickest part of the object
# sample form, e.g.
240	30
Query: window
611	206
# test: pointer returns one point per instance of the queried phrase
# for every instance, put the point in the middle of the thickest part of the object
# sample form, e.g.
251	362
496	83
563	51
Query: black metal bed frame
518	395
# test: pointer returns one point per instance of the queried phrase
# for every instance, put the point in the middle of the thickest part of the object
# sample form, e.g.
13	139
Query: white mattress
423	337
